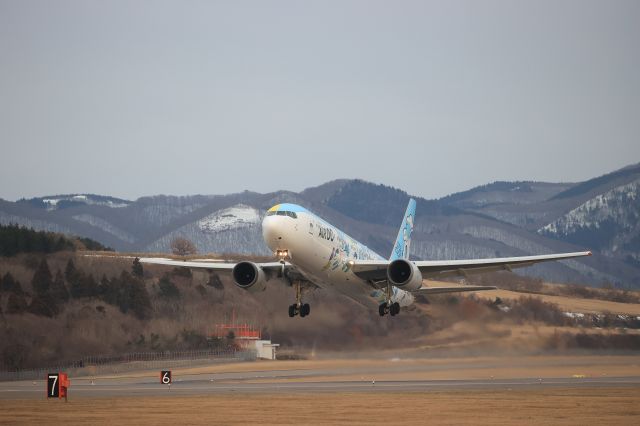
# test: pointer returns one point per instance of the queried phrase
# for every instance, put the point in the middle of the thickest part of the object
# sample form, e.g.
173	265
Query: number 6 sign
165	377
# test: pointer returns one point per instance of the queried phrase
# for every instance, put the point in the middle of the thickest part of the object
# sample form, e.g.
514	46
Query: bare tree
182	247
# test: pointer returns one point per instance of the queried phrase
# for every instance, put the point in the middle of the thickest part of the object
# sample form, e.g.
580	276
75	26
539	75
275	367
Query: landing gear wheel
382	309
292	311
305	310
394	308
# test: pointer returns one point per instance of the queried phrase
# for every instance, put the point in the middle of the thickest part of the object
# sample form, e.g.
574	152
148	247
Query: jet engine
404	274
248	276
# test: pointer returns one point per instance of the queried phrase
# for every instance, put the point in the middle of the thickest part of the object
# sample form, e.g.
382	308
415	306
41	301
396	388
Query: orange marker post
65	383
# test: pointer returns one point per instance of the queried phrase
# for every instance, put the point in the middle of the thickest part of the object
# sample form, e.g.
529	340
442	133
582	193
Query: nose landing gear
392	309
303	310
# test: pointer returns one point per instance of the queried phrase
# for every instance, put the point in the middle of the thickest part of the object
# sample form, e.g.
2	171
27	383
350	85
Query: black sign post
53	385
165	377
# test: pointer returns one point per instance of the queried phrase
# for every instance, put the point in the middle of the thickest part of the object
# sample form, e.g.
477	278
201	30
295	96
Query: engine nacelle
404	274
248	276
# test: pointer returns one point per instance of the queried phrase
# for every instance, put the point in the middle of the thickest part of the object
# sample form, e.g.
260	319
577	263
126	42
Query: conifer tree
140	301
76	288
111	291
89	286
43	305
70	271
136	268
59	290
42	279
103	286
9	284
168	289
134	296
16	304
215	282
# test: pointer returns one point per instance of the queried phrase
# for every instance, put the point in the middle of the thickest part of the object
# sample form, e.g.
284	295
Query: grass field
570	304
619	406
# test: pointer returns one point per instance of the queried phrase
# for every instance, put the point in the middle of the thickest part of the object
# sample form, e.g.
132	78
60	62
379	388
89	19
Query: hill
498	219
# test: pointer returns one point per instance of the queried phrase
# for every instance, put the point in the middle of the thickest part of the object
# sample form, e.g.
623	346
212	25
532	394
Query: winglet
403	240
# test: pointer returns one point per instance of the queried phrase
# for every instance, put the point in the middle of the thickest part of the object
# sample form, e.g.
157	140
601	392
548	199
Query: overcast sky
133	98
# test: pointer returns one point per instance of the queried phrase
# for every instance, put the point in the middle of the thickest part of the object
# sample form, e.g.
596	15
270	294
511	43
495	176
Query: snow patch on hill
238	216
52	203
614	205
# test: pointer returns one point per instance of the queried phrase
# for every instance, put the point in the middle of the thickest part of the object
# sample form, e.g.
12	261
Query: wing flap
187	263
456	289
212	266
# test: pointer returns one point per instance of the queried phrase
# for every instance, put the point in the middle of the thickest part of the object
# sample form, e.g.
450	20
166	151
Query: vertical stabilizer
403	240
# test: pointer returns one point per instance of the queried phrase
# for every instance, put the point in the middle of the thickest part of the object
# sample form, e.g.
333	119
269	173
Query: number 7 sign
53	388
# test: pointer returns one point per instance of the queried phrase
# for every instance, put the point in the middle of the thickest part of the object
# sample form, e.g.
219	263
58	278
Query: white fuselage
321	252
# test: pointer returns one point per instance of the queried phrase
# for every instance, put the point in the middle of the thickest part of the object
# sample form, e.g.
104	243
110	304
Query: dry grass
620	406
571	304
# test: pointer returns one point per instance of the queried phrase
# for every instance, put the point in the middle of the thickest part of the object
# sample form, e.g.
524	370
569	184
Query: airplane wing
435	269
219	266
210	265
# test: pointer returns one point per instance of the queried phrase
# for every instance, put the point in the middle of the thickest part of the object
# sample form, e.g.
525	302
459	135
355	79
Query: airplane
311	250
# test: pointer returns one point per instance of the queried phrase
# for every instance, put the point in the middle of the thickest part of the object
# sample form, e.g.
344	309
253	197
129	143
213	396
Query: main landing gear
389	307
299	308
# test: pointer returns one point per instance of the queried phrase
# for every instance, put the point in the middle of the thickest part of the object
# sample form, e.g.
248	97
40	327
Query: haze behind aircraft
310	249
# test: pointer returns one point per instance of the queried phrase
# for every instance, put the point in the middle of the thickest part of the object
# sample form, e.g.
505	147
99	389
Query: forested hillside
56	309
496	219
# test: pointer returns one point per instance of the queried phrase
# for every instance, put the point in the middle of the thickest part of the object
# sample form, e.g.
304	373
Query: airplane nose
272	232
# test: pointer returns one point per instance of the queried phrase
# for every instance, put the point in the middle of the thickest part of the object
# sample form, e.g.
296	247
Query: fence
116	364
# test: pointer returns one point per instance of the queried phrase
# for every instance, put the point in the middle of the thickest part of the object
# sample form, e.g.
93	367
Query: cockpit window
283	213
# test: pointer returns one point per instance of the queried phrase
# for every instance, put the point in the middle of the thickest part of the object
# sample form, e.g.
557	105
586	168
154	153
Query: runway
574	390
327	379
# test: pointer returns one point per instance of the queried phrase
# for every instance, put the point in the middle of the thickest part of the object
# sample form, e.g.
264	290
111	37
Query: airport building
246	337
